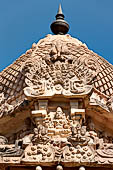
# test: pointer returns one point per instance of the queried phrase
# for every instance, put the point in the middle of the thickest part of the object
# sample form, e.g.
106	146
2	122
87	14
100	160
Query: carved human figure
40	135
11	151
42	130
79	135
59	113
83	136
76	130
83	130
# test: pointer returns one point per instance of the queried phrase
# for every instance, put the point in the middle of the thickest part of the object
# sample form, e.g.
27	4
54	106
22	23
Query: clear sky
23	22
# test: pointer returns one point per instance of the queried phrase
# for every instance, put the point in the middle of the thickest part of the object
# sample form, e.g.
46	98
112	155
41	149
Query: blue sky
23	22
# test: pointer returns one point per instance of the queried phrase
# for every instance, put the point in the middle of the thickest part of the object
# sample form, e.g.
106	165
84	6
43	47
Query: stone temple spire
60	26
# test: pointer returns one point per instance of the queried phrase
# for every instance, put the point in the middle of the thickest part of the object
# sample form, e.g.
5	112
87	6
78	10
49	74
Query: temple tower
56	106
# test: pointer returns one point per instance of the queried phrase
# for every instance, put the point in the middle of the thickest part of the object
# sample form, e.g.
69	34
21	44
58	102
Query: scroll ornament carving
60	70
105	154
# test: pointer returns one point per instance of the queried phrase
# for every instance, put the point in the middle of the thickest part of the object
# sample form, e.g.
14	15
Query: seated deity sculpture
78	135
40	134
58	124
59	113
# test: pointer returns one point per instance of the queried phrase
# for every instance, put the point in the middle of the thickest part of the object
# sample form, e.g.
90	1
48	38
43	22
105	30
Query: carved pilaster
76	113
40	111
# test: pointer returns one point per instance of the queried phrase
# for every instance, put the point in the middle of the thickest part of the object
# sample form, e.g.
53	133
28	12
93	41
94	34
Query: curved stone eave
14	122
102	119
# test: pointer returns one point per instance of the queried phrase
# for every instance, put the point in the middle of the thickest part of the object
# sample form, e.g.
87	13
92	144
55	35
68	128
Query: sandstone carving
3	140
9	153
105	154
5	108
110	103
67	90
59	71
57	138
99	99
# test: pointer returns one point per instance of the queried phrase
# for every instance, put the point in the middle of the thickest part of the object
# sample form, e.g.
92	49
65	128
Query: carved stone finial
38	168
60	26
59	167
82	168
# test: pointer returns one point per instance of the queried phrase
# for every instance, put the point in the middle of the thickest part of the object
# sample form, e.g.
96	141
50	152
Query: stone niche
72	108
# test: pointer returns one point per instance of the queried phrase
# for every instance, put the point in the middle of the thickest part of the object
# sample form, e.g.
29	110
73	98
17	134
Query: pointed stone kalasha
60	26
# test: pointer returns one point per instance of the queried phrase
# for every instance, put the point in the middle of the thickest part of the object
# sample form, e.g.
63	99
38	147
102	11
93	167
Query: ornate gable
52	57
59	69
53	99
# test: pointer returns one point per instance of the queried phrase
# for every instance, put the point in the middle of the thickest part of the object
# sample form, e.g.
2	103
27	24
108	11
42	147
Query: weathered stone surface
56	106
57	58
57	138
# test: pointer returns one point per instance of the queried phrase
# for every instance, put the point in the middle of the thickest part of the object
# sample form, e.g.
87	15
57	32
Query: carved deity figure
7	150
59	113
40	135
79	135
